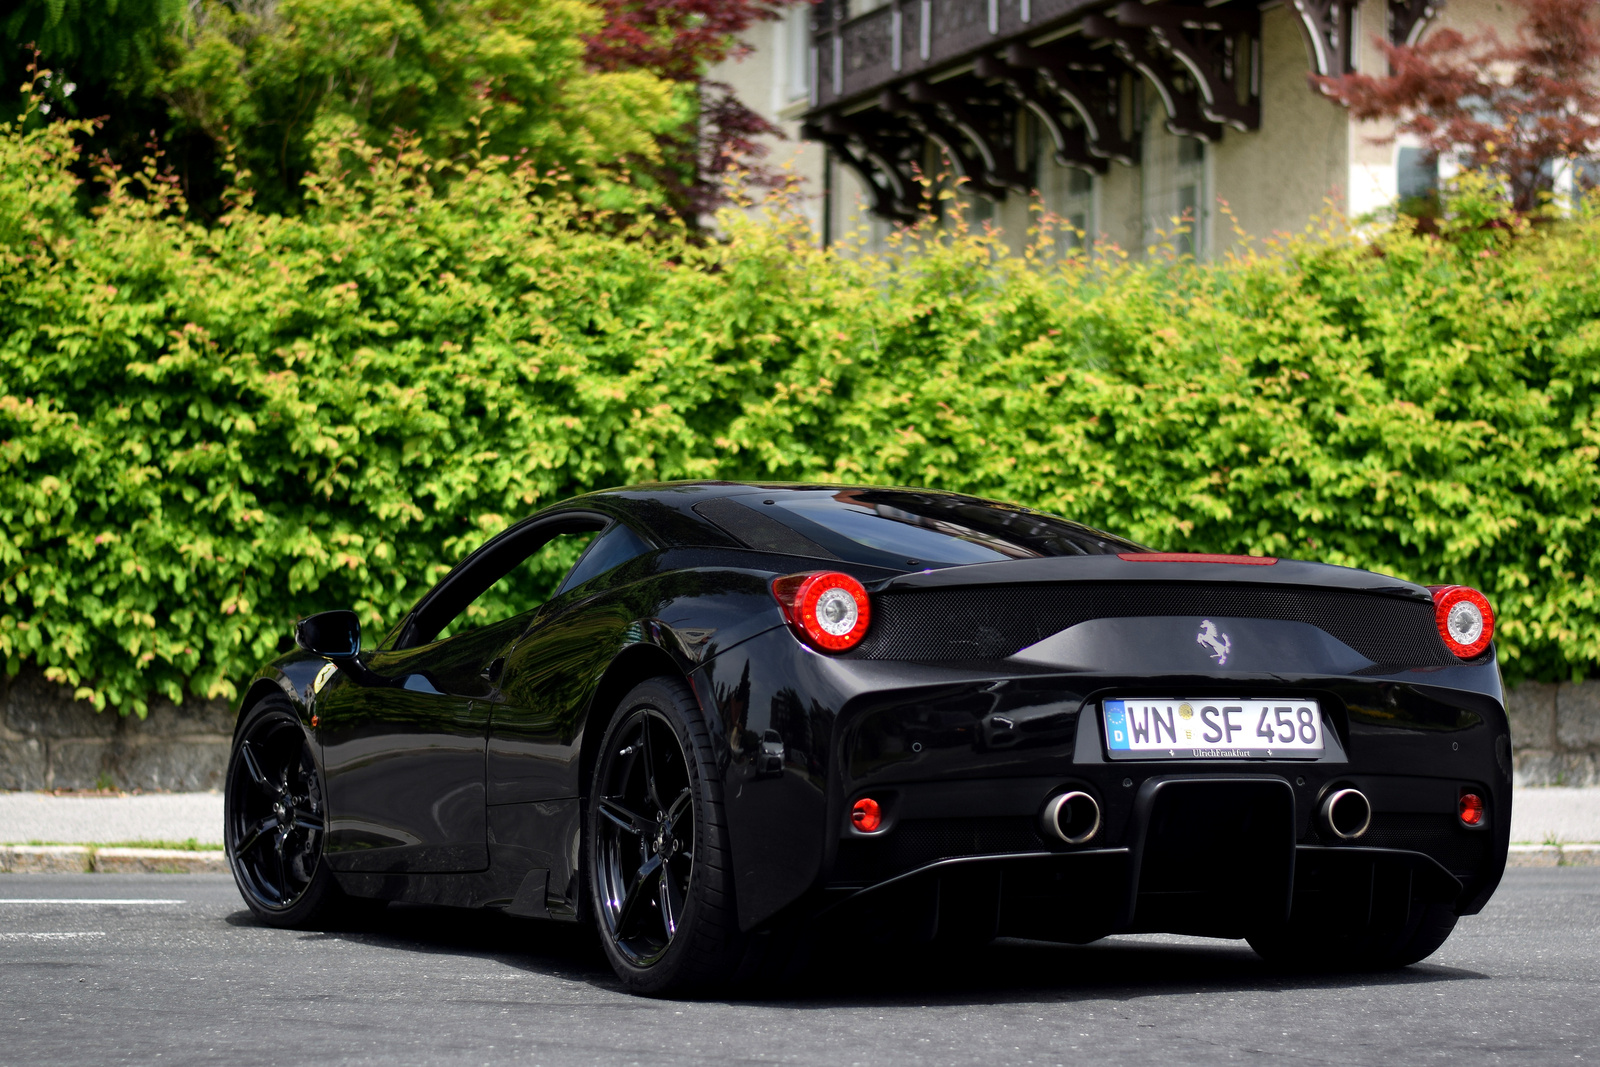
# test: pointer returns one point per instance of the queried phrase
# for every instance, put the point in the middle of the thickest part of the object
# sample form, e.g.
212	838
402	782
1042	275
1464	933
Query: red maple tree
1512	109
681	40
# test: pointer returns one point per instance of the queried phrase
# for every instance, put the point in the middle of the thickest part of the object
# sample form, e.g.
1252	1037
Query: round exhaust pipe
1072	817
1346	813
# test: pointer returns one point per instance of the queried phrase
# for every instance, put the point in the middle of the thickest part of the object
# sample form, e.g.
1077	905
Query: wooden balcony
895	87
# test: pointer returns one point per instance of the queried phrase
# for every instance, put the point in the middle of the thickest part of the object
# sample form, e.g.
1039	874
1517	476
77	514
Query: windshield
933	529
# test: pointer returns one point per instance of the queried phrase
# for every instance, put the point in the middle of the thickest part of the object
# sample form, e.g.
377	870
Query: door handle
491	673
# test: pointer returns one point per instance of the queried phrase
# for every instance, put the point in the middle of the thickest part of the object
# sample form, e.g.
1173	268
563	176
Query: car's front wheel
275	819
659	876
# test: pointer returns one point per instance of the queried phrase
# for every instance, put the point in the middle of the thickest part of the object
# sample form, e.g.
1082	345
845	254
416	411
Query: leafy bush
207	431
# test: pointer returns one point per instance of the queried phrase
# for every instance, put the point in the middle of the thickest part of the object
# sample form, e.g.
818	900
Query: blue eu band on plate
1212	728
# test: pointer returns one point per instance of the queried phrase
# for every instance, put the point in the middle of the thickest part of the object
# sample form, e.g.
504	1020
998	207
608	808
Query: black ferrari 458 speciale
749	713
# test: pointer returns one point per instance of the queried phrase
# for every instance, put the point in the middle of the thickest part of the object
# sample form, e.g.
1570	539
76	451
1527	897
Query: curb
77	859
1553	856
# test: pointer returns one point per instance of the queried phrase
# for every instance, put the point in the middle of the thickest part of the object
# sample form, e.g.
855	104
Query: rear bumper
1083	896
963	759
929	823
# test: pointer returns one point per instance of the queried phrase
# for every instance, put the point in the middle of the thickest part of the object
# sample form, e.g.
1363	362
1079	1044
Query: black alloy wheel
276	819
646	831
658	877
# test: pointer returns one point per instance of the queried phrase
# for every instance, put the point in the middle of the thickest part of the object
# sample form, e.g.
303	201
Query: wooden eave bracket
895	194
1217	45
1179	90
1090	92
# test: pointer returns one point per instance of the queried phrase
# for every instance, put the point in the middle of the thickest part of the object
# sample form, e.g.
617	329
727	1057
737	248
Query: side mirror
334	635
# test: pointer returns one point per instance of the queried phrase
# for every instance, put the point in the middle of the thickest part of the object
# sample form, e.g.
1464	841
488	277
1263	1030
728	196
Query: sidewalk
103	820
1542	821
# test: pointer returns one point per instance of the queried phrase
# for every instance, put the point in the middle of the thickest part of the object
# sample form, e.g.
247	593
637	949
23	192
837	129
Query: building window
1191	200
1417	181
1070	194
1585	176
1177	204
796	40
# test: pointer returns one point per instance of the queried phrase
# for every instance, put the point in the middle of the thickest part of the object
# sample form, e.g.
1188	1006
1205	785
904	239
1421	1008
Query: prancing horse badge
1219	644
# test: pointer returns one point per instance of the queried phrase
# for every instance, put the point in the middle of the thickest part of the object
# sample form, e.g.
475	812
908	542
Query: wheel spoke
628	820
248	754
671	901
283	874
638	893
676	811
649	764
253	836
308	820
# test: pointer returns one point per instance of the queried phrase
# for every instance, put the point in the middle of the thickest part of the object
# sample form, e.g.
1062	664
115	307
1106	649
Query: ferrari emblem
1219	644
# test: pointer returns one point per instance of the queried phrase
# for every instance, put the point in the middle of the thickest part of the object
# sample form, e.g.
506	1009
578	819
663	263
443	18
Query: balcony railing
907	37
956	74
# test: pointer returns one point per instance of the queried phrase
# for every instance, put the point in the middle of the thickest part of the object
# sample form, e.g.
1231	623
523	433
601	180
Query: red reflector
866	815
1196	557
1471	809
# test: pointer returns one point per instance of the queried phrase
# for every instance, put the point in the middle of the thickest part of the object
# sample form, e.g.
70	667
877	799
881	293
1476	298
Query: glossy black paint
456	775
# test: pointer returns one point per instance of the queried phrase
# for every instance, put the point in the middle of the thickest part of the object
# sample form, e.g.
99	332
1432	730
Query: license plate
1209	728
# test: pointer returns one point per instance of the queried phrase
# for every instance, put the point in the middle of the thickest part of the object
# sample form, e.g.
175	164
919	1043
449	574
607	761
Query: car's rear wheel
1311	945
275	819
657	858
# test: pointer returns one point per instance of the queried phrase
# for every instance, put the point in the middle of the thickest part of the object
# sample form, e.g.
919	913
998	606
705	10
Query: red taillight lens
830	609
1464	618
1470	809
866	815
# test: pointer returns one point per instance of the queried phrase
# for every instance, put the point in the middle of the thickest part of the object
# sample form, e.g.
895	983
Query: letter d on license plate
1212	728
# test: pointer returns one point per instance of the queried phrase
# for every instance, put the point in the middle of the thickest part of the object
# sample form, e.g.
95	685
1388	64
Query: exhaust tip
1346	813
1072	817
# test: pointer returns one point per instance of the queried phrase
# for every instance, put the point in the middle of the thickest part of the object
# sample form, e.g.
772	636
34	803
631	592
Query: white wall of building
1307	156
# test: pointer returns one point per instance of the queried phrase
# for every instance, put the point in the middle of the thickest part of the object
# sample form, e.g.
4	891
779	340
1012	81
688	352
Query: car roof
686	513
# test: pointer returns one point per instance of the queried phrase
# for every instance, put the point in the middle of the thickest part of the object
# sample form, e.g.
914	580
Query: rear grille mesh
1460	851
993	622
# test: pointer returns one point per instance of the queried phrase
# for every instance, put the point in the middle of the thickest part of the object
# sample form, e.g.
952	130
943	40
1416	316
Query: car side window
534	580
616	546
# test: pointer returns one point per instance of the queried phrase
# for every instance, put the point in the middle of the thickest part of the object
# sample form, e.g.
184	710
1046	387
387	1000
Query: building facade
1119	116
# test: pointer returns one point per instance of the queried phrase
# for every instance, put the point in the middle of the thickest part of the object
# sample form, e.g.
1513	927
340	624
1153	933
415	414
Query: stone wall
50	741
1555	733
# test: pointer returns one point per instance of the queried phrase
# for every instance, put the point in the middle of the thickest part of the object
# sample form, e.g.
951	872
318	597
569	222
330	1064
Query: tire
1438	921
662	898
275	818
1321	949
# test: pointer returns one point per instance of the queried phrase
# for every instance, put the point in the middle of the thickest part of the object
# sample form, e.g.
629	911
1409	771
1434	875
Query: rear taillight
1464	618
1470	808
828	609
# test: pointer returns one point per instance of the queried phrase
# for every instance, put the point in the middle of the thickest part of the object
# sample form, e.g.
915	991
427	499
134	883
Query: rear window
901	528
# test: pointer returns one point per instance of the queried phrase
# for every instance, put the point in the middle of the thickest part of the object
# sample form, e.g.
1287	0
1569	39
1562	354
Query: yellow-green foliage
205	432
269	81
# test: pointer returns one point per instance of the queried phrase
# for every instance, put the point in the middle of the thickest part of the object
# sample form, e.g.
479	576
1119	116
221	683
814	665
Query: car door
549	672
404	762
404	753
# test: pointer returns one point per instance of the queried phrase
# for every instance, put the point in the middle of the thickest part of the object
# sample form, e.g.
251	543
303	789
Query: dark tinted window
526	586
612	549
896	527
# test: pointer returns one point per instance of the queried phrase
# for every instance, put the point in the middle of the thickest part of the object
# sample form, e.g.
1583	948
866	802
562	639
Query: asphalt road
189	977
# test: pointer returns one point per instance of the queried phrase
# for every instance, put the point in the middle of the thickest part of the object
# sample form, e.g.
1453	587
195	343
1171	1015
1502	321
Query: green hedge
204	432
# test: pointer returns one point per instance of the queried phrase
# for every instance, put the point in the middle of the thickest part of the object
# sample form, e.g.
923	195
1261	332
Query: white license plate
1209	728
